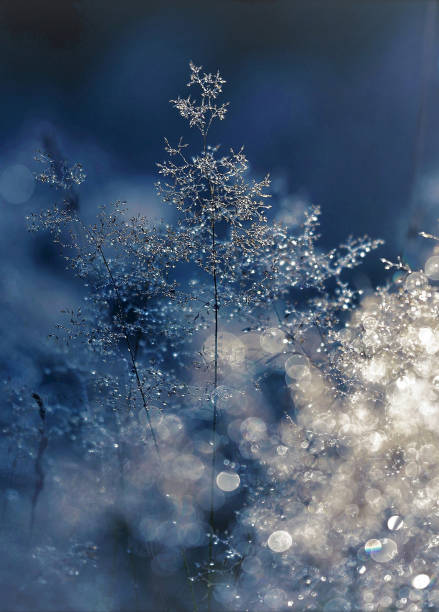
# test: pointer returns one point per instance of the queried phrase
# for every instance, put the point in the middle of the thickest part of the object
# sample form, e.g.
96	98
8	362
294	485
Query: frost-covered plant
222	223
125	265
179	329
347	515
254	267
122	344
309	280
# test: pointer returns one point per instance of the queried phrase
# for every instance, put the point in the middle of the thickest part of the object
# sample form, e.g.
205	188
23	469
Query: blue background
337	99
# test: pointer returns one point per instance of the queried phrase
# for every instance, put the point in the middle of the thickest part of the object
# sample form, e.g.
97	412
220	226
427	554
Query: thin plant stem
214	420
11	479
186	567
40	476
215	385
132	353
130	349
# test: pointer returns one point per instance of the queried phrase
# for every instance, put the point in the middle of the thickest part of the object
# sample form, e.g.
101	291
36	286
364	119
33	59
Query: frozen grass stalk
210	191
271	280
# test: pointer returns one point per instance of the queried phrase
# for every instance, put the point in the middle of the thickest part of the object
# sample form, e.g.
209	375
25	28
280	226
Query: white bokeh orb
280	541
421	581
431	268
273	340
228	481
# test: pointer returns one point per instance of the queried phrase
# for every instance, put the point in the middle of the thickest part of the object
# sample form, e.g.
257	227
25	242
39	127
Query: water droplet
274	599
372	545
395	522
280	541
369	322
431	268
273	340
253	429
381	551
421	581
228	481
415	281
296	366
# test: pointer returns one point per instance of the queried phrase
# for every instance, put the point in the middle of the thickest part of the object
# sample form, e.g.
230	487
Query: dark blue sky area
337	99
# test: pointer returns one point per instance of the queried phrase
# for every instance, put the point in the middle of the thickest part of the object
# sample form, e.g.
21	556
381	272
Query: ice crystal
59	173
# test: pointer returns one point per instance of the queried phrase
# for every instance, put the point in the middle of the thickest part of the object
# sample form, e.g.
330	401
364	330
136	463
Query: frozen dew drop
280	541
166	426
421	581
273	340
376	440
372	338
384	551
252	565
395	522
225	594
296	366
188	467
411	469
275	599
231	349
415	281
228	481
431	268
373	496
372	546
428	339
369	323
221	394
253	429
